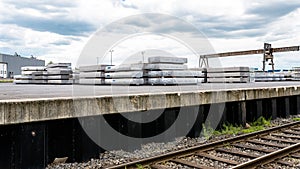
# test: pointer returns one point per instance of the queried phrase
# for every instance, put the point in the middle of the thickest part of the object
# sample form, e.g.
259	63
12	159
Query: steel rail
269	157
203	147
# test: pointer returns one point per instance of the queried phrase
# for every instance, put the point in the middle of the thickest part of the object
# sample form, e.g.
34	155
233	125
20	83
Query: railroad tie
291	132
265	151
190	164
266	144
237	153
295	155
280	140
206	155
286	136
296	129
253	148
158	166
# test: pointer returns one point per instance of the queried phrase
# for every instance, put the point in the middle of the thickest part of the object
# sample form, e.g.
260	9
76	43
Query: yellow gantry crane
267	52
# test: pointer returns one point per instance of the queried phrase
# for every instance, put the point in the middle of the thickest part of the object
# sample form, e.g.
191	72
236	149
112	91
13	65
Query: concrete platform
29	103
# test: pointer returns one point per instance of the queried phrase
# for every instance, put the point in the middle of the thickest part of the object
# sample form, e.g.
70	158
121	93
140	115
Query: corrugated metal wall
14	63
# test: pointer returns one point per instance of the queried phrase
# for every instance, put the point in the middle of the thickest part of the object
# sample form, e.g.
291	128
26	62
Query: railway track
274	147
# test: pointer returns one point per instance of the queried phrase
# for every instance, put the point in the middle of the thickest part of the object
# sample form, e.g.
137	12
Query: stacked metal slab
228	75
171	71
31	75
159	71
92	75
252	74
59	73
125	74
296	73
75	76
272	76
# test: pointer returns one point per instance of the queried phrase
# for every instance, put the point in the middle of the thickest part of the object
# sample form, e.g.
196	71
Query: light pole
143	52
111	51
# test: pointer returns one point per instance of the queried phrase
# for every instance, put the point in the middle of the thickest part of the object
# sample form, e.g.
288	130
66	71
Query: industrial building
10	65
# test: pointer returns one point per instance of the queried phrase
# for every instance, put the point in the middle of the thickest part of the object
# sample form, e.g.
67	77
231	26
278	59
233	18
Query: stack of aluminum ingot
159	71
59	73
228	75
125	74
75	76
171	71
261	76
296	73
31	75
92	75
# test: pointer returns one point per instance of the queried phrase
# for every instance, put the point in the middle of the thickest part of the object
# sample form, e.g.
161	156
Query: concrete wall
30	110
58	133
14	63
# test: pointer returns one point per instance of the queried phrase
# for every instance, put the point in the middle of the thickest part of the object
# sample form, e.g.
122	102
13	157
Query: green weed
207	131
261	121
230	129
139	166
296	119
6	80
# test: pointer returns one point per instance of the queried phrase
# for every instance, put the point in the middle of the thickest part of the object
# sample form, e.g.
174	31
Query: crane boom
267	53
238	53
251	52
286	49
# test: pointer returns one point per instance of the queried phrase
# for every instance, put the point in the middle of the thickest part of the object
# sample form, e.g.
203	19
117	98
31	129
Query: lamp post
111	51
143	52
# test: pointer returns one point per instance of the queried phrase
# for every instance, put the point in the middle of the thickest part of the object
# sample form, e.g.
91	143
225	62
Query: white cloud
41	44
229	25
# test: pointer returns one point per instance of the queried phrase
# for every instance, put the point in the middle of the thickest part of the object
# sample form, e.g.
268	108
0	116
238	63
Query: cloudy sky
57	30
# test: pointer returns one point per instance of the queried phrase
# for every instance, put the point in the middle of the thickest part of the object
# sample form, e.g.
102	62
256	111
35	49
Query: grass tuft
207	131
139	166
296	119
230	129
6	80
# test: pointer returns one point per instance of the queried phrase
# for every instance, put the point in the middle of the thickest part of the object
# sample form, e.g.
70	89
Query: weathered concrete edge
13	112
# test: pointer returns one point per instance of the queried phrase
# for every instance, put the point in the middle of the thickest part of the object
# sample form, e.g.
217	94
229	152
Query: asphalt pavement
9	91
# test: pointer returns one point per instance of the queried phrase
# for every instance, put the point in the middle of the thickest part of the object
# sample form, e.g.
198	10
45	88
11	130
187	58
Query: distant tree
50	63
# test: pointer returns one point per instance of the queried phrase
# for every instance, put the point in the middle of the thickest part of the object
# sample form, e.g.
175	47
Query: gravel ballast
152	149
